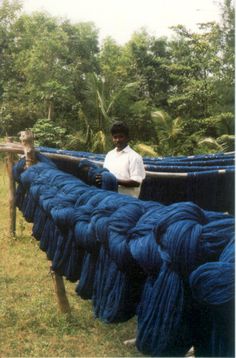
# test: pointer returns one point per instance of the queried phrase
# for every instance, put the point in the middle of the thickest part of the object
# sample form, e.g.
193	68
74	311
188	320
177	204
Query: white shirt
127	165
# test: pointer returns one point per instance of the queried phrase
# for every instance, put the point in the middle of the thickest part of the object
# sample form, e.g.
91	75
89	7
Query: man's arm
128	183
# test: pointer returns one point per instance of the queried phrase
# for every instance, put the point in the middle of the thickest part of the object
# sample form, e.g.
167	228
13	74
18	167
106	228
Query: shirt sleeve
136	168
105	161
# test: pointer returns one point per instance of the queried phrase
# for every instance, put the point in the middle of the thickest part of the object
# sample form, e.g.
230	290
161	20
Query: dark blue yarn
86	238
134	256
189	164
28	206
85	286
119	234
40	218
84	229
114	294
113	255
159	316
175	168
215	236
213	283
161	308
90	170
178	212
179	232
143	244
60	248
99	157
203	185
19	196
209	190
18	169
228	254
213	287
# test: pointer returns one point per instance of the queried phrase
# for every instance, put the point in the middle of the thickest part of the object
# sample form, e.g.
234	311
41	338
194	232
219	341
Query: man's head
120	135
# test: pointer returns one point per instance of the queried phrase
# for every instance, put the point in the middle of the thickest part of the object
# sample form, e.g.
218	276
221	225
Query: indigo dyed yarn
116	290
204	184
164	307
88	172
172	265
161	311
213	287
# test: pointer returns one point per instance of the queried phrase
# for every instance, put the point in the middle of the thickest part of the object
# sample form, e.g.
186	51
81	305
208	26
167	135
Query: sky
121	18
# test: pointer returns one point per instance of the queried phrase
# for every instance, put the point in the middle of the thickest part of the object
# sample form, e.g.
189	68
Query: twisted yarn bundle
171	265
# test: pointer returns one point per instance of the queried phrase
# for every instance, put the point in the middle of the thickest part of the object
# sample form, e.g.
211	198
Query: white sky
120	18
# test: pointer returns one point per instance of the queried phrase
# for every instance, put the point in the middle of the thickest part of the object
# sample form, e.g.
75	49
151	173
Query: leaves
48	134
172	92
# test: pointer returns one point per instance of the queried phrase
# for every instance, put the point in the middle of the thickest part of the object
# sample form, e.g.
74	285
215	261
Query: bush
48	134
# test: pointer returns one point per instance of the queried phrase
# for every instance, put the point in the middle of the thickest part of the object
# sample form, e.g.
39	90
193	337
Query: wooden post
27	140
60	291
12	190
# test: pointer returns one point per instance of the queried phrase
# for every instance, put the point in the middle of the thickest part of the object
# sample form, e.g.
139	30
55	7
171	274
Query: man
124	163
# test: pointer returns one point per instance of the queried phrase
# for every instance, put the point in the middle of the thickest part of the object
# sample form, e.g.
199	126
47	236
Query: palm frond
99	142
211	142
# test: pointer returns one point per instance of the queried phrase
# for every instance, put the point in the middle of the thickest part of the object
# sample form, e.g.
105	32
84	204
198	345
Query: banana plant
168	131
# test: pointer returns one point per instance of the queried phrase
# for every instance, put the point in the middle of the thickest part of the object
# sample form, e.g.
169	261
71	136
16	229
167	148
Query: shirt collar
125	150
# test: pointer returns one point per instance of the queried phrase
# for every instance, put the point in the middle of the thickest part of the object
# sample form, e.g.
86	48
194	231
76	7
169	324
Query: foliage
48	134
99	142
169	132
145	150
223	143
51	68
76	141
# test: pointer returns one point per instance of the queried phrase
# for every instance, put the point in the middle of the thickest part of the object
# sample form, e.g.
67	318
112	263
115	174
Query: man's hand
98	180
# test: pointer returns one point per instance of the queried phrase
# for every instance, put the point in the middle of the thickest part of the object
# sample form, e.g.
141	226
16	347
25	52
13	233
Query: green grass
30	323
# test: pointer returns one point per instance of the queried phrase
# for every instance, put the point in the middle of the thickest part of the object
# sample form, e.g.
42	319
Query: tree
42	46
45	65
98	112
150	58
194	65
9	11
169	132
226	83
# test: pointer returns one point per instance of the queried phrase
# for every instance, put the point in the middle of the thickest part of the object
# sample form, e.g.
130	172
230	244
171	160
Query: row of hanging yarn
208	180
201	159
172	266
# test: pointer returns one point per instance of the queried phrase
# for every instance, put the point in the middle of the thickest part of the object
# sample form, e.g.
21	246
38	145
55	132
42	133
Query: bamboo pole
12	191
27	141
16	148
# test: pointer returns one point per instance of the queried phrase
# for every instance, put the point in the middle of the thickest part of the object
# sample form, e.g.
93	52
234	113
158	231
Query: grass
30	323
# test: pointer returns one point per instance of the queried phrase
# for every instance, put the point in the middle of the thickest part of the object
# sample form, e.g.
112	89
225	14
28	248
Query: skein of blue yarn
213	288
114	300
179	232
86	238
213	283
88	172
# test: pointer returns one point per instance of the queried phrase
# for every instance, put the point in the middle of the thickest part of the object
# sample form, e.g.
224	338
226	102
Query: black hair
120	127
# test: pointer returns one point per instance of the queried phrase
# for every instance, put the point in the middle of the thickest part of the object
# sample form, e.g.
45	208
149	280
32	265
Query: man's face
120	140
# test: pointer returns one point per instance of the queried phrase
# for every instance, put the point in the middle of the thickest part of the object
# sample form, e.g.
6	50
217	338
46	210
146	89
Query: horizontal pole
70	158
18	148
